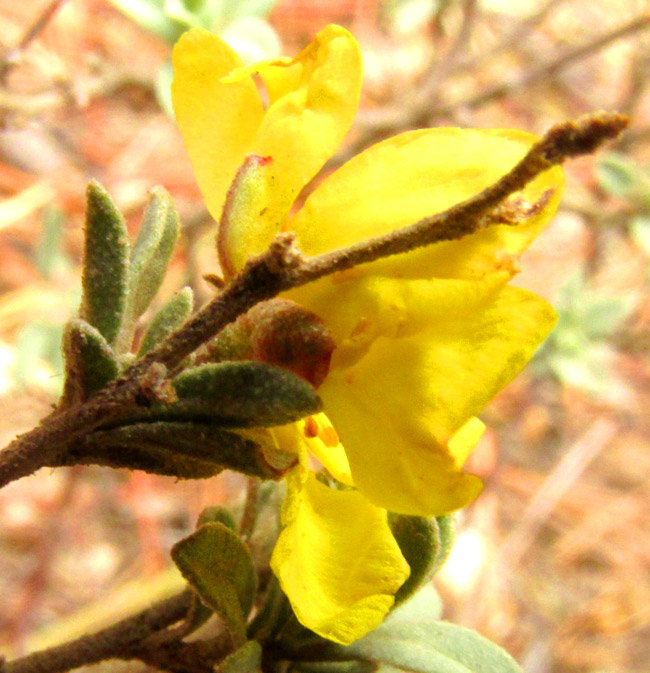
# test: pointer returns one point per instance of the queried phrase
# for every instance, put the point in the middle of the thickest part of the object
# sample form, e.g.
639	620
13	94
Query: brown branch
534	75
439	69
280	269
423	108
565	140
11	57
251	508
515	37
120	641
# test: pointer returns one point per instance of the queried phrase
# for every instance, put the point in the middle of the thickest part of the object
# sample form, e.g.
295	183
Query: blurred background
553	560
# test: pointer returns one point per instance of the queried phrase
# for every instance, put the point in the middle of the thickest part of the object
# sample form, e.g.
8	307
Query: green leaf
178	449
447	532
419	541
243	394
49	255
163	87
640	231
352	666
617	174
411	640
217	514
238	9
247	659
170	317
149	259
150	15
89	362
219	567
252	38
105	264
603	315
590	371
38	341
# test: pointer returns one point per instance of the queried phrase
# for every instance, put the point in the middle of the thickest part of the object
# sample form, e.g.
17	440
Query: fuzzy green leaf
149	259
243	394
617	173
219	567
410	639
419	541
247	659
169	318
447	533
179	449
89	362
351	666
105	265
640	232
217	514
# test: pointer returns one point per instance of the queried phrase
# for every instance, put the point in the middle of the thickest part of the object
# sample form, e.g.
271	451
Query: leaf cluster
185	425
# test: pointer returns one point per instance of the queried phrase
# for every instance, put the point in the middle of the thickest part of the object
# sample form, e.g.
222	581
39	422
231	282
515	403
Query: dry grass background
553	561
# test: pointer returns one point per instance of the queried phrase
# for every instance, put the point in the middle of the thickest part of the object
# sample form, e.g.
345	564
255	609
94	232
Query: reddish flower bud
287	335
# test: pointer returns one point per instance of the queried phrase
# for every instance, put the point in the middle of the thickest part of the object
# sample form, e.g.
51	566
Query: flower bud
287	335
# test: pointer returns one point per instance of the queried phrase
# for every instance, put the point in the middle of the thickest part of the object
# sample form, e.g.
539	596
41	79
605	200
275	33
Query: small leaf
171	446
89	362
243	394
446	530
105	264
617	173
247	659
419	541
149	259
217	514
252	38
152	460
151	16
50	258
411	640
640	231
603	315
351	666
220	569
170	317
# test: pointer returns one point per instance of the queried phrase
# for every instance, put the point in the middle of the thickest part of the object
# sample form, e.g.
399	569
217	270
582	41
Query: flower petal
218	118
419	173
324	444
313	99
337	560
457	343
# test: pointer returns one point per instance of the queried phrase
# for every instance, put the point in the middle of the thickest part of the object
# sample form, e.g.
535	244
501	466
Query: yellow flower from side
423	340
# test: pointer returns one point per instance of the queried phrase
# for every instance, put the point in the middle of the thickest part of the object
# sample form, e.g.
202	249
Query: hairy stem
280	268
119	641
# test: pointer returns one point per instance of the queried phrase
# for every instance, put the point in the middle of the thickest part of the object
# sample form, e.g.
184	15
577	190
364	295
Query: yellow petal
398	400
337	561
313	100
464	441
324	444
218	118
410	176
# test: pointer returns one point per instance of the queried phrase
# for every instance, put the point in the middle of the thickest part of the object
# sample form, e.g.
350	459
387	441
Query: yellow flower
423	340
